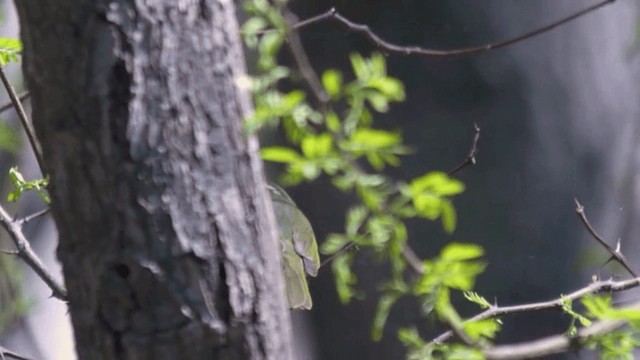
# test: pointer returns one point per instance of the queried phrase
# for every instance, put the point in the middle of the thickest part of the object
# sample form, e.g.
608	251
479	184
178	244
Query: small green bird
299	248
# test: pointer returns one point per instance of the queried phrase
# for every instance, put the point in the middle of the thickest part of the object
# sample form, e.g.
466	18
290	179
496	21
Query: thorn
579	207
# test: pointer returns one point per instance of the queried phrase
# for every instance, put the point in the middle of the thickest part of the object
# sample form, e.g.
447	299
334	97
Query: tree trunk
167	239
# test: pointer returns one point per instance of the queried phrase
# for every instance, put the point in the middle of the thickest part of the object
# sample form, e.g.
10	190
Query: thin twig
556	344
616	254
412	259
344	249
470	160
303	63
28	218
22	97
29	256
593	288
417	50
5	353
26	123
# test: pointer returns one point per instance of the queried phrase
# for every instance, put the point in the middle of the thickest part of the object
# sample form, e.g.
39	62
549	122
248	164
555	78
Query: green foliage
340	141
13	302
9	50
9	139
21	185
418	349
477	299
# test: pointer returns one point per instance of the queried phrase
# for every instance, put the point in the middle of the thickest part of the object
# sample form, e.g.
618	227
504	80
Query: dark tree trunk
159	198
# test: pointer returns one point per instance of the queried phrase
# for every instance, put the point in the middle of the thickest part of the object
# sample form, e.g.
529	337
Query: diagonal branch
333	14
27	254
24	120
616	254
470	160
35	215
557	343
8	354
593	288
302	61
9	105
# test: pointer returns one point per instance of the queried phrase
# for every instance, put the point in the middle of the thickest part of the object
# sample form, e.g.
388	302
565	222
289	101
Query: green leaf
310	170
332	82
21	186
378	101
317	146
462	275
487	328
355	218
9	50
9	139
448	216
345	278
250	28
359	66
333	122
382	313
428	205
391	88
437	182
378	64
333	244
279	154
461	252
477	299
374	139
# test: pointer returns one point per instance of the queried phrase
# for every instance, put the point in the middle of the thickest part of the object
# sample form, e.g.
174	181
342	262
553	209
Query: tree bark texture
167	238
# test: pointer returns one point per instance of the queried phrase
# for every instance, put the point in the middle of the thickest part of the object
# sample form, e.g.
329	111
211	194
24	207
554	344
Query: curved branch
27	254
333	14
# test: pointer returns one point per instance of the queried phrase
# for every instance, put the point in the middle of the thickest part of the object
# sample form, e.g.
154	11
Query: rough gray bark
159	198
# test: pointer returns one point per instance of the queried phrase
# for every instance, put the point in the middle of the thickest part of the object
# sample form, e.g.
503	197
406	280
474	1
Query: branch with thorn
596	287
556	344
616	254
14	226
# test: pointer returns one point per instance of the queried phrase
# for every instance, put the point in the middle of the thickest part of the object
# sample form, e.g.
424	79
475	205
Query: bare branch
593	288
413	260
25	253
26	123
557	343
303	63
470	160
35	215
344	249
417	50
8	354
22	97
616	254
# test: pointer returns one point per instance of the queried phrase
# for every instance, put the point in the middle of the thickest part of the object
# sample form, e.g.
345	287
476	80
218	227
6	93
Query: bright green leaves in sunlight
9	50
336	138
455	268
318	155
332	83
418	349
429	194
619	343
372	83
380	147
21	185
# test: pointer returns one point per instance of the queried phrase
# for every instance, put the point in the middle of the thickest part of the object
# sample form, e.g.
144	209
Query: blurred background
560	119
